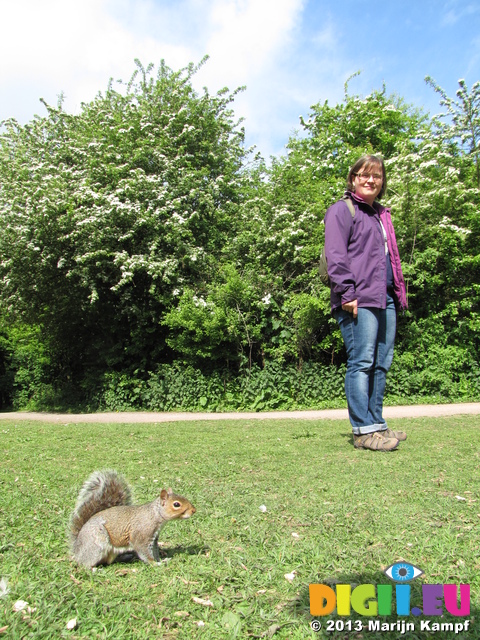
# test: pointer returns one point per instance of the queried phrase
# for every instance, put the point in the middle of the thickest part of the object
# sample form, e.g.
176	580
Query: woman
367	288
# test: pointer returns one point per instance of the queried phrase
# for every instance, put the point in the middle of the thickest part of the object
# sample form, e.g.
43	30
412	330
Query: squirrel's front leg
153	547
149	552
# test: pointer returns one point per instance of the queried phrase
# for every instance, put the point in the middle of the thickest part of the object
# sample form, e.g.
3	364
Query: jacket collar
377	207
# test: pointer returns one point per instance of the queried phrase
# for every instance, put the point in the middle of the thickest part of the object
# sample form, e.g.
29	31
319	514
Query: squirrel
105	524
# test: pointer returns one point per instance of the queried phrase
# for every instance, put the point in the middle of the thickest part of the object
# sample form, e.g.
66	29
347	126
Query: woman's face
368	182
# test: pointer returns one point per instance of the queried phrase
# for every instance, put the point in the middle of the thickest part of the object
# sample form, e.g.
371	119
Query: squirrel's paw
160	562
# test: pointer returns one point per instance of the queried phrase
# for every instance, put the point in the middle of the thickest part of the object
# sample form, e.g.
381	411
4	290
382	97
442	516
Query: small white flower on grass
295	535
199	623
290	576
72	624
460	498
21	605
262	508
4	587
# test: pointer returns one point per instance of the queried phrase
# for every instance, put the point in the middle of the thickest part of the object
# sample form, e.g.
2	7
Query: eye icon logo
403	572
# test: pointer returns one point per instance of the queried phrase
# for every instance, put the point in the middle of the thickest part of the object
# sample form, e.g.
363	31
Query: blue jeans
369	340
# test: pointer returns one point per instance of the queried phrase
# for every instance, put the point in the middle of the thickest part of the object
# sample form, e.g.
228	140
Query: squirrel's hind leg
93	545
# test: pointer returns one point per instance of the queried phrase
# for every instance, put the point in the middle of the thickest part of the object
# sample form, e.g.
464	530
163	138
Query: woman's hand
351	307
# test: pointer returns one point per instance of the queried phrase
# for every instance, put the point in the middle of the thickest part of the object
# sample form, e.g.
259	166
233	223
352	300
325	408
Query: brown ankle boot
375	441
399	435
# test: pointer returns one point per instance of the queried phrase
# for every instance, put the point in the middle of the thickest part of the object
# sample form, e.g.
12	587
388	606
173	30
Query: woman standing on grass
366	289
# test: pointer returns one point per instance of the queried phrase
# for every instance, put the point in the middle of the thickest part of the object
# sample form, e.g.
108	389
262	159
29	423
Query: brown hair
367	162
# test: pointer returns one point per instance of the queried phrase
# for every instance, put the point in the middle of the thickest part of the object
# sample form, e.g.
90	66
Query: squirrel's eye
177	505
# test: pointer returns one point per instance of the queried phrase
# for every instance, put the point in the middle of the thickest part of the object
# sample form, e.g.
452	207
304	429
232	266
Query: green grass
353	513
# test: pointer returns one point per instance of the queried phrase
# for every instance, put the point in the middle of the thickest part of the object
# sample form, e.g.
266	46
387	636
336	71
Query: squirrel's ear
170	491
163	495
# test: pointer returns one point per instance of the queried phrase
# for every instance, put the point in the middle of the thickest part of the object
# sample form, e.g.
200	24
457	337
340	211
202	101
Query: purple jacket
355	252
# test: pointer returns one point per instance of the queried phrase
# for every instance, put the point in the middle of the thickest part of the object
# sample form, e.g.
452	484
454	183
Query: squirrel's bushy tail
103	489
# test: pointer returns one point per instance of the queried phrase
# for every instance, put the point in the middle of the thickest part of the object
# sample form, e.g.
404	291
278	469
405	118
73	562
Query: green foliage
186	388
281	232
137	235
440	373
465	119
25	368
436	202
108	213
221	326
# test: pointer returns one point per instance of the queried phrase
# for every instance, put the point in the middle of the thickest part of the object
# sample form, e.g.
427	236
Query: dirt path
416	411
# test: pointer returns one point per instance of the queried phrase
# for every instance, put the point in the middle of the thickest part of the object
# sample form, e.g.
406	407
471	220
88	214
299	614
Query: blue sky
290	54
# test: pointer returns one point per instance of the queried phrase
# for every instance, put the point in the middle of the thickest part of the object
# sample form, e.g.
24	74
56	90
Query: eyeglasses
366	176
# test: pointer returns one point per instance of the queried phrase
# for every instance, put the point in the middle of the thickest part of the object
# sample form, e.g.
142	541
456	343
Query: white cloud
249	43
289	53
326	37
55	40
456	11
58	46
75	47
248	36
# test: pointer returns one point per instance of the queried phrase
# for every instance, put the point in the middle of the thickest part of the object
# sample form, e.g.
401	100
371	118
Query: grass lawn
333	515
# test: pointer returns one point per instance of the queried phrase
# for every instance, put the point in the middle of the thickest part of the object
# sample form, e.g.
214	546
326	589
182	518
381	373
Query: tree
281	232
434	190
136	233
110	214
464	114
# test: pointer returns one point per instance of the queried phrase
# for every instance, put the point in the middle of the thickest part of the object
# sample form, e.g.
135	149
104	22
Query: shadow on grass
348	437
420	627
166	554
193	550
